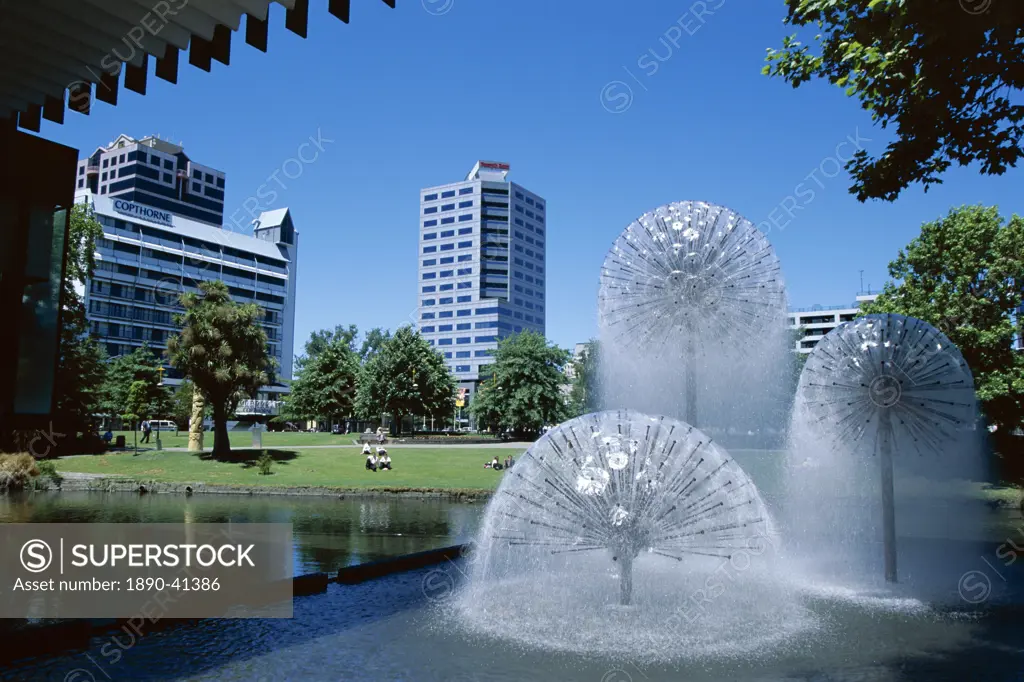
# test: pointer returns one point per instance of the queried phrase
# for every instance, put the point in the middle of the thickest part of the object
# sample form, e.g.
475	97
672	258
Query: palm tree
222	350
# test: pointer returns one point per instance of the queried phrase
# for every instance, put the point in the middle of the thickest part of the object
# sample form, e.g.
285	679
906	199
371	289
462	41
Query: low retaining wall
352	575
126	485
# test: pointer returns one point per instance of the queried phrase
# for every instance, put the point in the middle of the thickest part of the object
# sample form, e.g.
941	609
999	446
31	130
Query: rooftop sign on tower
489	170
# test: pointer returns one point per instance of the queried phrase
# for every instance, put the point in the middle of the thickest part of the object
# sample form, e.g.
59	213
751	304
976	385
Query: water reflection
329	532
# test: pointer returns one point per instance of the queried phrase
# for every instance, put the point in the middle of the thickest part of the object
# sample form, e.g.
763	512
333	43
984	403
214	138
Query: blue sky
607	109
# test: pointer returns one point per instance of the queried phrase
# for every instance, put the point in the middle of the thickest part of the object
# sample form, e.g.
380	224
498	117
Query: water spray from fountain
886	385
689	286
624	484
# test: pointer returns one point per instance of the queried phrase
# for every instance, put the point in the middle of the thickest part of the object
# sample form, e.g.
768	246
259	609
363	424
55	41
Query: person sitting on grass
371	462
366	448
495	464
383	459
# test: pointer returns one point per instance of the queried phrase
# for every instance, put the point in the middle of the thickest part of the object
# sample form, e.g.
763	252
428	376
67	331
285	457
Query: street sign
460	403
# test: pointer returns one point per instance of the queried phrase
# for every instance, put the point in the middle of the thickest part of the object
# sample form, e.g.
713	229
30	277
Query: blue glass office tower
481	267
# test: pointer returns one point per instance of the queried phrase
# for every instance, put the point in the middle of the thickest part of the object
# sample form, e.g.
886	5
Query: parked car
161	425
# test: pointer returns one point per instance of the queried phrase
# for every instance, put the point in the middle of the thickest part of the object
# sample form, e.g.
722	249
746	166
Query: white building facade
817	321
482	267
147	257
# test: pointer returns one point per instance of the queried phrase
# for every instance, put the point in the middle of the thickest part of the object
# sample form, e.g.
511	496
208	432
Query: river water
406	627
329	533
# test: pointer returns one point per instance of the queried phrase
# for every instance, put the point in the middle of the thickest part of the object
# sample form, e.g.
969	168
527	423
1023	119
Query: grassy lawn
243	439
458	468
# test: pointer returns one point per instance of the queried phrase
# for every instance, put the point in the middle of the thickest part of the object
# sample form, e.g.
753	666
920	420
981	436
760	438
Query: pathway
390	446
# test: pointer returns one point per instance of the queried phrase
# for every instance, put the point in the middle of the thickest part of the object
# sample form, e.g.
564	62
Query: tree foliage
325	383
963	275
584	394
222	349
322	339
136	401
373	342
525	390
405	376
143	366
946	75
81	370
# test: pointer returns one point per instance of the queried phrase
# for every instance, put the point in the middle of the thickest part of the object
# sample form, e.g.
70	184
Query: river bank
119	484
440	472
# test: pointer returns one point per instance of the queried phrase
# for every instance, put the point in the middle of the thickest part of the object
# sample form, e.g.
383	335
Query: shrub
48	471
265	463
17	471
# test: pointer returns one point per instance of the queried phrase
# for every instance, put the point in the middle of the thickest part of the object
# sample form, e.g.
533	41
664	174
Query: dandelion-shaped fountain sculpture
624	483
692	272
888	384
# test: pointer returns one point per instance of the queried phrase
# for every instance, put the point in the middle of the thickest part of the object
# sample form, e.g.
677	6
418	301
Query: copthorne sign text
140	211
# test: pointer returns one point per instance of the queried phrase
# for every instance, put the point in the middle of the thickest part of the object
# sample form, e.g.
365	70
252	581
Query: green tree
406	376
222	349
373	342
325	383
322	339
81	370
135	402
963	275
140	365
946	79
584	394
525	391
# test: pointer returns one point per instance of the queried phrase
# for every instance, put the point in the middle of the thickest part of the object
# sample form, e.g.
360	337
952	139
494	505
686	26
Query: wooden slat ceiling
64	53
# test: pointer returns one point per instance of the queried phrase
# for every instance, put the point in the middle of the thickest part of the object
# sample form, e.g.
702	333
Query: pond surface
329	533
394	629
407	627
